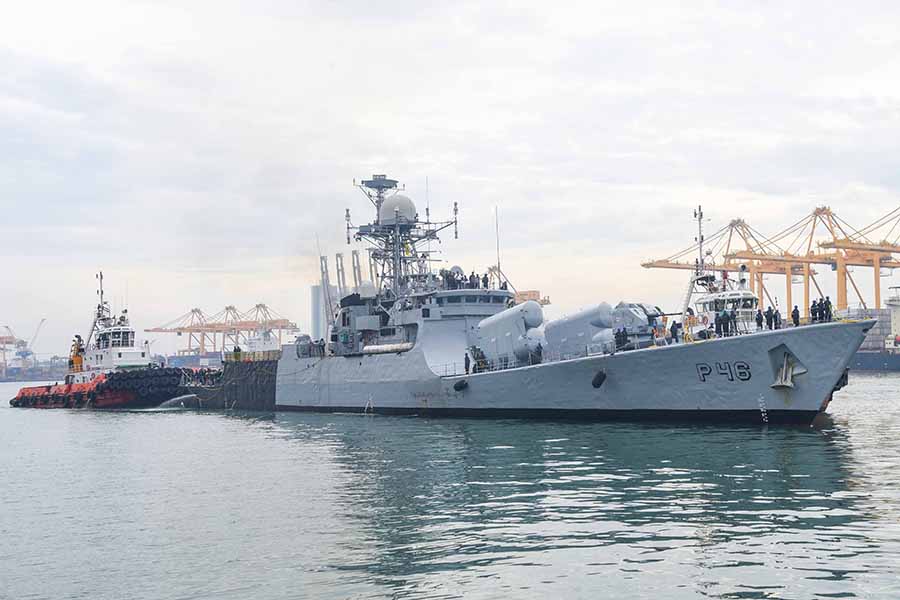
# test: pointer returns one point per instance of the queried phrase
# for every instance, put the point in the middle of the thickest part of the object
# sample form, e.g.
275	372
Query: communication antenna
698	214
428	215
497	233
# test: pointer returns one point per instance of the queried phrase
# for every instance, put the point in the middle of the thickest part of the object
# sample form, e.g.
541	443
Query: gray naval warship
413	341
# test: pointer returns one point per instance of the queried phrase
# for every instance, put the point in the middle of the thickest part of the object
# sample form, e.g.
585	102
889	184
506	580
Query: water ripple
186	505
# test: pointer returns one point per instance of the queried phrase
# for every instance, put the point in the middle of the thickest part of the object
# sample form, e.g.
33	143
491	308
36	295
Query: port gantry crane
874	245
722	252
796	249
6	342
23	348
843	247
231	324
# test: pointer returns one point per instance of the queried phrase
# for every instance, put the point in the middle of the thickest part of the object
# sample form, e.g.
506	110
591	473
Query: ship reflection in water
178	504
550	508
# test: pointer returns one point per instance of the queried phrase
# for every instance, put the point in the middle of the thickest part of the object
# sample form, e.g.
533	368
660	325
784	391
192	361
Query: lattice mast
400	250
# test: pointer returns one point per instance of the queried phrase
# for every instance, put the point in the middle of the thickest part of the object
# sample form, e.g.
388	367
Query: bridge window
454	299
498	299
471	299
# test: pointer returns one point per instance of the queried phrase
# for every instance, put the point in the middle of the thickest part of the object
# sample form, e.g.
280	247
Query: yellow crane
723	253
230	326
819	238
873	245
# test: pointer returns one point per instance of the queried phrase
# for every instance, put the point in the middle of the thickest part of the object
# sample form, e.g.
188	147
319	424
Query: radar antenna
400	240
375	190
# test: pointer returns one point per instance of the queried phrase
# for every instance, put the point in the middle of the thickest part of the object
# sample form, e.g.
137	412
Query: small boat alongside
108	370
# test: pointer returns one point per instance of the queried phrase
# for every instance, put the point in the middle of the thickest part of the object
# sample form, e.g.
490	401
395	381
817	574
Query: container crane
24	349
802	249
37	332
231	324
796	250
721	254
874	244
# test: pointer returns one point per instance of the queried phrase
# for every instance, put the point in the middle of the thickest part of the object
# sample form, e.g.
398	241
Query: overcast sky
195	150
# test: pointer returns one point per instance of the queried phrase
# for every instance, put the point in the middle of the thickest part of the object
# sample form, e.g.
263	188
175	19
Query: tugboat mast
102	312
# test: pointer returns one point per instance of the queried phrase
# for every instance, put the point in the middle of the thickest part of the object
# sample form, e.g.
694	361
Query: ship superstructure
442	343
110	345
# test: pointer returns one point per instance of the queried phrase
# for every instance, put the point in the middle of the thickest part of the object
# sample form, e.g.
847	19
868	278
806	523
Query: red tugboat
106	371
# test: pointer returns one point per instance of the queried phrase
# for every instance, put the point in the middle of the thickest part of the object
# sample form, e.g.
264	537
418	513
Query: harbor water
172	504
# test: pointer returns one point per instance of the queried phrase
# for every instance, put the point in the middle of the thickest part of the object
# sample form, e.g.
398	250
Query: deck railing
251	356
506	362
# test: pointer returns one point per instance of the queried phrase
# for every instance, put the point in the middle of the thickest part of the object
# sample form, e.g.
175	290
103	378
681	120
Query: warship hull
786	375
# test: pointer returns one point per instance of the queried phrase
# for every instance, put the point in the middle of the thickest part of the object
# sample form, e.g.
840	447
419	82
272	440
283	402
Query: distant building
319	316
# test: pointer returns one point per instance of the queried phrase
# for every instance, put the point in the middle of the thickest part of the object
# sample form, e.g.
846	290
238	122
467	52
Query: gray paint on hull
654	379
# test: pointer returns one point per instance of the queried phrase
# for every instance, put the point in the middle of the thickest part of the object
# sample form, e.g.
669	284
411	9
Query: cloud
204	152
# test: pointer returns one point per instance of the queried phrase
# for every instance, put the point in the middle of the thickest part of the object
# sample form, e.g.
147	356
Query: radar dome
394	206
